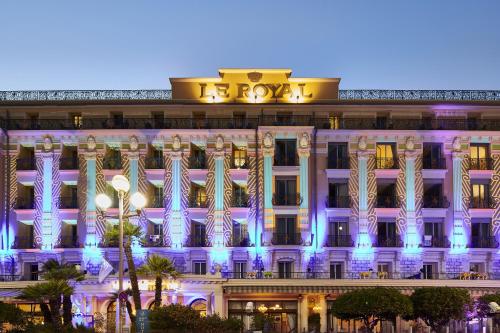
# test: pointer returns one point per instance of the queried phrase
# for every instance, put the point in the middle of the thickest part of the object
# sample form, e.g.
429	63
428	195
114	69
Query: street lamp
121	185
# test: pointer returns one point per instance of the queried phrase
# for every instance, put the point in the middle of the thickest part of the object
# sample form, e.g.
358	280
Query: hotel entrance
266	316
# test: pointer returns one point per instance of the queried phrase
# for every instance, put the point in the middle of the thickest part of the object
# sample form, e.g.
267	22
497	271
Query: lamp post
121	185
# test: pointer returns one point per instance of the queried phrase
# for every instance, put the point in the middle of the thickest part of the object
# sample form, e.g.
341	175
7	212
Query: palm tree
158	267
114	298
50	292
53	270
131	233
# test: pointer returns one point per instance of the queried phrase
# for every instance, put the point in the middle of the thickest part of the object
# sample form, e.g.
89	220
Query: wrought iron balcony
26	163
480	164
295	120
68	202
436	202
197	201
387	201
69	242
338	163
68	163
153	241
197	241
154	163
435	241
25	203
283	160
340	241
387	163
21	242
433	163
287	239
486	242
287	200
482	203
239	200
239	162
112	163
239	241
388	242
338	201
197	162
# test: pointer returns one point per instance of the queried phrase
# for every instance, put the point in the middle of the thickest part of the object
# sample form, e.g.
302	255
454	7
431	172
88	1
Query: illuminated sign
254	86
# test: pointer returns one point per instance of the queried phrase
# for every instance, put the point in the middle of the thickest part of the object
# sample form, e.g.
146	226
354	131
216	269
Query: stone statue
362	145
47	143
268	140
134	143
176	144
304	140
219	142
457	144
91	143
410	143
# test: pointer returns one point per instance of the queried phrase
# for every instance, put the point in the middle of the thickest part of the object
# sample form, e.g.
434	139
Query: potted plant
268	275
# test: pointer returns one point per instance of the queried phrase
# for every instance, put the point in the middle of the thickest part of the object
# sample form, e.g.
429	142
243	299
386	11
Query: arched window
200	306
111	317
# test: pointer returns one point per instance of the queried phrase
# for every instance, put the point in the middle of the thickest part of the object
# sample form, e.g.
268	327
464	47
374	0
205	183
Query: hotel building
268	192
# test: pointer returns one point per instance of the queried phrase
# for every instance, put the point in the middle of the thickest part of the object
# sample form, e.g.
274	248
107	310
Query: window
285	269
240	234
434	229
239	119
334	121
335	270
199	267
339	228
381	122
198	234
77	120
198	196
432	156
383	267
33	270
386	156
433	197
477	267
479	157
387	236
284	118
428	271
286	192
239	158
386	196
158	197
338	234
239	269
197	159
286	233
481	229
158	120
285	152
338	195
480	196
337	156
158	229
199	119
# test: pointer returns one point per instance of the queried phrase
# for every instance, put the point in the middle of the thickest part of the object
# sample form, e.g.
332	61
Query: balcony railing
287	200
239	241
480	164
484	242
239	200
239	162
338	201
436	202
387	163
21	242
197	162
287	239
387	201
154	163
197	241
68	202
112	163
340	241
433	163
388	242
69	242
196	201
23	203
153	241
25	164
338	163
482	203
435	241
282	160
68	163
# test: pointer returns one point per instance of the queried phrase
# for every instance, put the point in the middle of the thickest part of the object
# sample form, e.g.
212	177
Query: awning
9	294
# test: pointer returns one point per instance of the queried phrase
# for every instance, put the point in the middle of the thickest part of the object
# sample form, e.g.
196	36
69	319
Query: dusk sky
385	44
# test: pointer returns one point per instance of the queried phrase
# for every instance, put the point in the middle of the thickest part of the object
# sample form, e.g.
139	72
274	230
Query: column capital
268	152
219	154
457	155
44	155
411	154
91	155
363	154
304	152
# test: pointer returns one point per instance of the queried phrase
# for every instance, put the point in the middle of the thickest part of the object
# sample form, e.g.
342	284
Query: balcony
480	164
240	163
239	241
339	241
433	163
287	239
69	242
287	200
338	201
25	164
488	242
482	203
387	163
112	163
68	202
197	241
281	160
239	200
436	202
338	163
387	201
153	241
197	201
197	162
24	203
21	242
154	163
388	242
435	241
68	163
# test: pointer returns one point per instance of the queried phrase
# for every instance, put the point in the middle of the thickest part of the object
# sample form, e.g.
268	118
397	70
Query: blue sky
386	44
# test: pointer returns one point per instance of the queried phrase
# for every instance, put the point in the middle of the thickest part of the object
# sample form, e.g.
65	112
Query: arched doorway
111	317
200	306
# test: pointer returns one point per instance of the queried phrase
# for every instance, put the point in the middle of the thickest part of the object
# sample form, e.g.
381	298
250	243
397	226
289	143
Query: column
303	314
268	155
218	305
303	152
208	297
172	189
90	218
323	313
43	189
363	239
218	237
412	238
458	239
9	231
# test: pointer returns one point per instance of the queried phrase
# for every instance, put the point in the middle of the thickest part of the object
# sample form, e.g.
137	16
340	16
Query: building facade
268	192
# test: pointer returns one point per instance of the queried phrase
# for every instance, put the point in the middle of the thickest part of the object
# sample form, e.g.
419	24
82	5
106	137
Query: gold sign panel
255	86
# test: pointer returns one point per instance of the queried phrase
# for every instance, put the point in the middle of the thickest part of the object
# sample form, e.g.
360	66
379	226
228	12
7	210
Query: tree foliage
436	306
372	305
10	314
